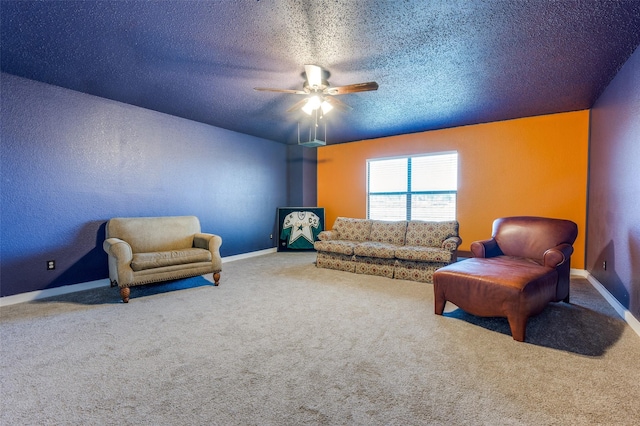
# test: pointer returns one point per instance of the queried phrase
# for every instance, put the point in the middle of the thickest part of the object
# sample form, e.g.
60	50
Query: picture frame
298	227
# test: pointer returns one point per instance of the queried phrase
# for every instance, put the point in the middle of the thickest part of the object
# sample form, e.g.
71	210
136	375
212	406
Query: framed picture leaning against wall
298	227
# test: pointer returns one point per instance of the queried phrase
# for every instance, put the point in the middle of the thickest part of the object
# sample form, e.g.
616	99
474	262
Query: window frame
409	193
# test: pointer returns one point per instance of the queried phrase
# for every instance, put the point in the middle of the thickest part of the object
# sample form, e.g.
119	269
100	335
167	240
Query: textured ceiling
439	63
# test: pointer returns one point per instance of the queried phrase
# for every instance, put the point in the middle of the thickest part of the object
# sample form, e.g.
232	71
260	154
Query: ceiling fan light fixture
326	107
313	103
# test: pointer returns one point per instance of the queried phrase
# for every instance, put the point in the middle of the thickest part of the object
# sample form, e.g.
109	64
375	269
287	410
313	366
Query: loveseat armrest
485	248
451	243
119	249
329	234
120	257
557	255
212	243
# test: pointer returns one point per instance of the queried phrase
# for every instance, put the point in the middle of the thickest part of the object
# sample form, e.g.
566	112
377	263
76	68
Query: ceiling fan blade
352	88
337	104
266	89
298	105
314	75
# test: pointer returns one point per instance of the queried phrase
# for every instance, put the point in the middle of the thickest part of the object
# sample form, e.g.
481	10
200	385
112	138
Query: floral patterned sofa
409	250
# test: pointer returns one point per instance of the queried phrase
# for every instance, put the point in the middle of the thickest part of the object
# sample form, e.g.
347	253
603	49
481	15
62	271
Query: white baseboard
57	291
615	304
248	255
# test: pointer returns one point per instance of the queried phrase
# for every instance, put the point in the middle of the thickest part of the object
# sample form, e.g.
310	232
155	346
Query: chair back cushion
151	234
528	236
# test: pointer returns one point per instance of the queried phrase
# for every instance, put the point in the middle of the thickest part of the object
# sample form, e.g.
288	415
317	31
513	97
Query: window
421	187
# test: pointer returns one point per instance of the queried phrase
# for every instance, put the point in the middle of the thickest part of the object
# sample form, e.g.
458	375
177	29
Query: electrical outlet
51	265
271	236
604	265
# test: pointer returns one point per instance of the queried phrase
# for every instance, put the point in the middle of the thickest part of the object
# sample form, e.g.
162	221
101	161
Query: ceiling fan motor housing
317	88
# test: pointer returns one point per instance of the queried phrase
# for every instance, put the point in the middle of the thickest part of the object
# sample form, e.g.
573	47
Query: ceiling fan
321	94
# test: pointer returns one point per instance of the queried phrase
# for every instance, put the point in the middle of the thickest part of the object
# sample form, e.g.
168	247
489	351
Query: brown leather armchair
524	266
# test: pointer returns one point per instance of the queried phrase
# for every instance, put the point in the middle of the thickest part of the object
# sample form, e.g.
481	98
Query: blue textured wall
71	161
613	213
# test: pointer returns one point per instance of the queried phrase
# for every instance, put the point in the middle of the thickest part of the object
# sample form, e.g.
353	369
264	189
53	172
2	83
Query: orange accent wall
535	166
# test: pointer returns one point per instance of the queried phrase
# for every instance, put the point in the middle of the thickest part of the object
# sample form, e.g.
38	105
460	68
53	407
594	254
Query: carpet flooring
281	342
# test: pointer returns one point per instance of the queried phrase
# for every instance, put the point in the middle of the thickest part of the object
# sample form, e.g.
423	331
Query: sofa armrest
329	234
485	248
557	255
452	243
212	243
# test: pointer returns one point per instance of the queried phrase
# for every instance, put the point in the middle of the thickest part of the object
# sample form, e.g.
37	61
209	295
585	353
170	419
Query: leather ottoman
502	286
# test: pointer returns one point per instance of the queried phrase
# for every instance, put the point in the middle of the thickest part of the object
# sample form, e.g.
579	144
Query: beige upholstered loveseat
145	250
409	250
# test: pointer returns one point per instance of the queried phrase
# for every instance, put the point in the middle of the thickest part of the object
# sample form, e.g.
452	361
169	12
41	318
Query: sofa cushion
388	232
353	229
375	249
427	254
142	261
335	246
430	234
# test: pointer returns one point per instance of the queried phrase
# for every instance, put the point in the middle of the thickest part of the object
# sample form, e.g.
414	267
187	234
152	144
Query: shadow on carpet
562	326
111	295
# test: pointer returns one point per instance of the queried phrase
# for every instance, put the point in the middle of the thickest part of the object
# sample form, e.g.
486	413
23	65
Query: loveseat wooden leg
216	278
124	293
